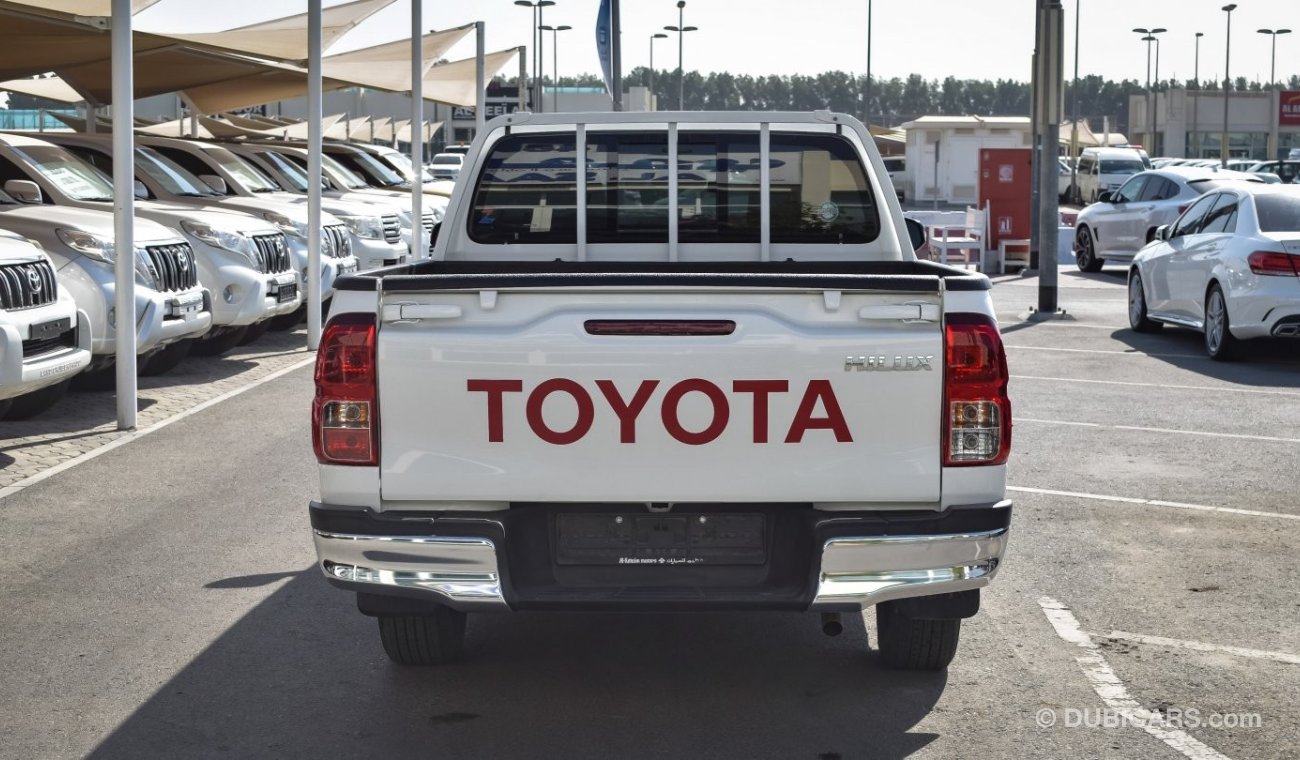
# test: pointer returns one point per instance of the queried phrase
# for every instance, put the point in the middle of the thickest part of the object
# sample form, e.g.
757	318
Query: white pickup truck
705	372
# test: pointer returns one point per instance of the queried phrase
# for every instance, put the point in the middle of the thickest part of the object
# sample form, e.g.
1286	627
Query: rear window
1278	213
1121	166
527	189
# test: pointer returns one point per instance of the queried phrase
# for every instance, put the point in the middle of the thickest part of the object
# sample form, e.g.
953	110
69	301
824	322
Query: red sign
1289	113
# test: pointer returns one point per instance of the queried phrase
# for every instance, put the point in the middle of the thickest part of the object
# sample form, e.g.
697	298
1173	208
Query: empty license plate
660	540
51	329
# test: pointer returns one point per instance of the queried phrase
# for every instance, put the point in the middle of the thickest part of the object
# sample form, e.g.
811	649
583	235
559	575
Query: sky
983	39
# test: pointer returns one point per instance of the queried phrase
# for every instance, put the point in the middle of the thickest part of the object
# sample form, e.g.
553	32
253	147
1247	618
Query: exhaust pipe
831	625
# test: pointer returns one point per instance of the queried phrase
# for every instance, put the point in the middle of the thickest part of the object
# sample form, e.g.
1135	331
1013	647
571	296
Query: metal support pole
681	70
124	213
866	105
541	60
615	55
1051	65
523	79
480	78
1074	118
1196	102
1157	146
315	227
1227	87
419	241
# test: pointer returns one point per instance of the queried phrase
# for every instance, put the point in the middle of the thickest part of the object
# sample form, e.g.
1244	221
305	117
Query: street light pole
681	30
1272	69
555	61
538	57
1151	101
1227	85
1074	117
1196	100
866	105
653	37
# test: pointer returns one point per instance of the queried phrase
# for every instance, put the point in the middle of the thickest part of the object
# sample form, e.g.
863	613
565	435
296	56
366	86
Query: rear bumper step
816	560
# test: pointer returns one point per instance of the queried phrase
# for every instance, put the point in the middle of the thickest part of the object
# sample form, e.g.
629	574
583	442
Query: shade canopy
455	82
285	39
430	129
50	88
388	66
82	7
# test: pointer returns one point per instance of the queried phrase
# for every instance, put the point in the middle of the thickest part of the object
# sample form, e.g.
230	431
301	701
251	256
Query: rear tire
1137	306
437	638
1086	254
910	644
255	331
166	359
1219	341
31	404
216	346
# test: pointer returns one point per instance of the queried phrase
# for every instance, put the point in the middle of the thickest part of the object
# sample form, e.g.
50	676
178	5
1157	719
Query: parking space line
1103	680
1140	429
1107	351
1162	386
1200	646
1153	502
17	487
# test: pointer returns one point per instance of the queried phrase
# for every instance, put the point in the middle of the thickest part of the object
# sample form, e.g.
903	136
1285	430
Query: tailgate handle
400	312
907	312
659	326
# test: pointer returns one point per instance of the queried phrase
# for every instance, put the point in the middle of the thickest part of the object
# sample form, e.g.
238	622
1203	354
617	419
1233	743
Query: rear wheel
165	359
219	344
255	331
1219	342
1137	306
31	404
437	638
908	643
1086	251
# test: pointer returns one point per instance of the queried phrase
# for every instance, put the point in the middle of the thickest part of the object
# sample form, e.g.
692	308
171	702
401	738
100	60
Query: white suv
44	339
1123	222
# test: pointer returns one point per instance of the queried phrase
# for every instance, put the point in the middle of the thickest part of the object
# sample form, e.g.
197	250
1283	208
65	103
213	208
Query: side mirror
24	190
1162	232
216	183
1106	197
915	233
141	192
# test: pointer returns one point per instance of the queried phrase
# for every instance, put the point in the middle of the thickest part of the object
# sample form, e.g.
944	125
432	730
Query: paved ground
160	600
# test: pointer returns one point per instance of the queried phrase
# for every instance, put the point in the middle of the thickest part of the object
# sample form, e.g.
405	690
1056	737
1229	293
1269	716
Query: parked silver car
1121	223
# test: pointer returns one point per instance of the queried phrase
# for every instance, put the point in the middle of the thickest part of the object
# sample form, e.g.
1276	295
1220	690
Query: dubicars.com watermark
1187	718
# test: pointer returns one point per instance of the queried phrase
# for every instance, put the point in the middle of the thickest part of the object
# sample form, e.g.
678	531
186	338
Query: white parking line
1105	351
125	439
1140	429
1153	502
1101	677
1162	386
1199	646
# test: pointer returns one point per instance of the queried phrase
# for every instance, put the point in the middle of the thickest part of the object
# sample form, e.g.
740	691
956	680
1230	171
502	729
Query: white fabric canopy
430	129
177	128
388	66
285	39
455	82
50	88
360	129
83	7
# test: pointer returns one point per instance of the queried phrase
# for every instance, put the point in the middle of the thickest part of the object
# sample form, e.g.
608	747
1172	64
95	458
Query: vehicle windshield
377	170
1278	212
245	173
169	174
1121	166
74	177
454	158
295	177
402	163
337	171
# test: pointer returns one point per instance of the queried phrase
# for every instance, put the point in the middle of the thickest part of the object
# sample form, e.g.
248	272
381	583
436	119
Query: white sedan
1229	267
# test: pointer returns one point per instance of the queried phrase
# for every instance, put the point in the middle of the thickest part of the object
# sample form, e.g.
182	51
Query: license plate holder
184	306
286	292
51	329
639	539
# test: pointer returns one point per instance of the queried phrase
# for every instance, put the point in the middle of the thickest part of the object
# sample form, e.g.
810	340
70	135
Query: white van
1105	169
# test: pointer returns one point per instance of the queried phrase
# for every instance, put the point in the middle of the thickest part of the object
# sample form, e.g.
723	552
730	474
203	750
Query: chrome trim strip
462	570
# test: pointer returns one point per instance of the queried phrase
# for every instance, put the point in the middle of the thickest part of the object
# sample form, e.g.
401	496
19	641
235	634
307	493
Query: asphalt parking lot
161	599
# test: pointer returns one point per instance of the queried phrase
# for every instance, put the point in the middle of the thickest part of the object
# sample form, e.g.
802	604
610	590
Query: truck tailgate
629	394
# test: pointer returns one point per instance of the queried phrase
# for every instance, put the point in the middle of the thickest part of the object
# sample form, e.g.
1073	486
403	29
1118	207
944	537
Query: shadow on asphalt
303	674
1271	363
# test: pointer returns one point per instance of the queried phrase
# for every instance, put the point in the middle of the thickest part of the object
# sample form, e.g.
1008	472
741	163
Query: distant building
1189	124
943	153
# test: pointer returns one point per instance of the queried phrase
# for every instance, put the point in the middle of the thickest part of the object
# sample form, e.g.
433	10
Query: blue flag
604	46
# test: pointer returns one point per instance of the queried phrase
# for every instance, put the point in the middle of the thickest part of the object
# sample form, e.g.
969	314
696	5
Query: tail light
344	414
1274	263
977	411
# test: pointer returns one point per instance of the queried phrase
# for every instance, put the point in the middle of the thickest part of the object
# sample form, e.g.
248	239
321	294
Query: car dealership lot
162	599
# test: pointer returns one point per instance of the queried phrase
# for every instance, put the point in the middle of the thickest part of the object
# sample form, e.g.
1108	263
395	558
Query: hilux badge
907	363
